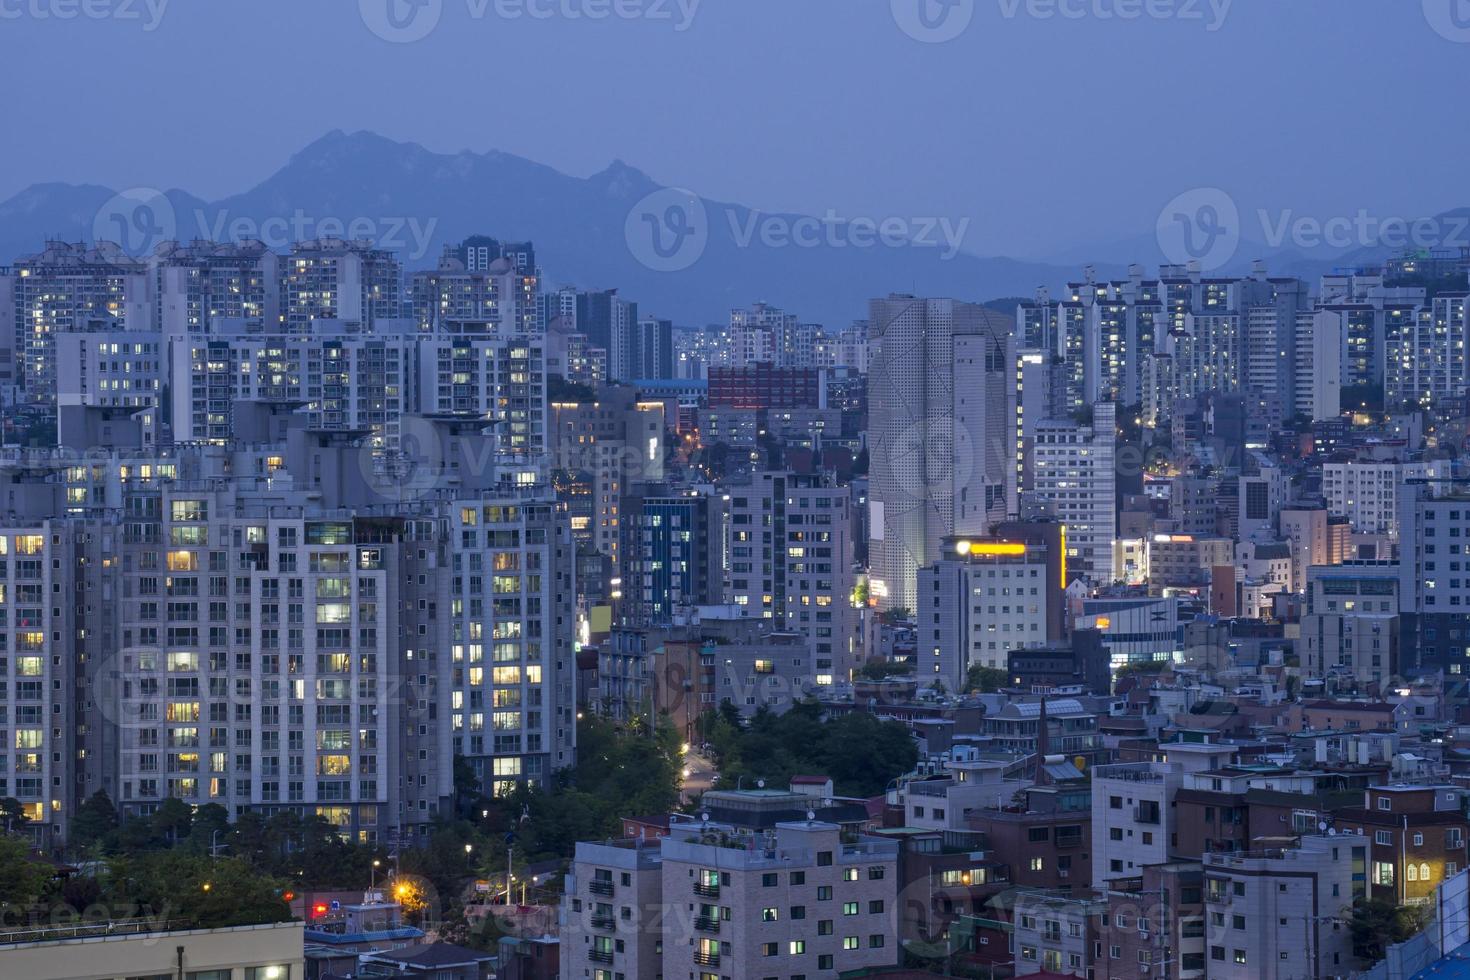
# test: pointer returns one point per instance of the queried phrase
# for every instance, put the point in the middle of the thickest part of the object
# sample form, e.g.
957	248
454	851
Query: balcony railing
706	923
600	886
705	890
600	955
1146	814
707	959
604	922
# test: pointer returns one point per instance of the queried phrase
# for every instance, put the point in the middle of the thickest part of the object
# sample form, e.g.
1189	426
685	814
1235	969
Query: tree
12	815
23	881
172	820
94	820
986	680
896	616
204	892
880	670
1377	924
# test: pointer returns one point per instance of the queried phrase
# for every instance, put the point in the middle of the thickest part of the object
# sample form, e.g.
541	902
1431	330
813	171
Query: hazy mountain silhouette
416	201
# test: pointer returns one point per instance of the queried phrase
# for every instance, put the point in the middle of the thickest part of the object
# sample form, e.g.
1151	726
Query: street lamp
373	875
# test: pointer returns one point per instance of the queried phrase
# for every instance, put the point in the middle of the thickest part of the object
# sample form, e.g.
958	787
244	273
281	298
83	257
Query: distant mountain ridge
416	201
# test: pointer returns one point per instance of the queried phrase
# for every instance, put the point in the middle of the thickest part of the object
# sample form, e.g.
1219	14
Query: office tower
334	279
942	433
790	562
981	602
498	298
70	287
608	446
1076	482
673	553
198	284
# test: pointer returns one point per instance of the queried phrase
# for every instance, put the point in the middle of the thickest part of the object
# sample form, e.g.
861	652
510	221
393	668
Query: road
699	775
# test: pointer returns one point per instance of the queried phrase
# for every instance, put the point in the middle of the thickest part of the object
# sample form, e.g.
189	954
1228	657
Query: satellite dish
704	817
811	815
1332	832
760	784
1322	825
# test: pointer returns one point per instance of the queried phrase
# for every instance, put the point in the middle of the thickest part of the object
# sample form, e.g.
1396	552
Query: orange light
1103	622
318	910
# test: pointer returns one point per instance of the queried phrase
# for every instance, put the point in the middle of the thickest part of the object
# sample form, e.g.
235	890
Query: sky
1048	124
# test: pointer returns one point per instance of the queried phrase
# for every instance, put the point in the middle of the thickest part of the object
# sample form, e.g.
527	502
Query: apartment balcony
706	891
600	955
606	923
599	886
1144	814
706	923
707	959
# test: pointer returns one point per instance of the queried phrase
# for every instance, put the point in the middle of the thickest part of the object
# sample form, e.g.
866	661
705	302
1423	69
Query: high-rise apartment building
335	279
69	287
790	550
1076	482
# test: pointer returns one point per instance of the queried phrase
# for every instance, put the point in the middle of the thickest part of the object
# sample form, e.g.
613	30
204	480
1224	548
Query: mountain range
416	201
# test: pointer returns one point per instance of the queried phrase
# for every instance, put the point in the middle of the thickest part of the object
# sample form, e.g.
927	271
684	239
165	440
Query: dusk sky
1047	133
